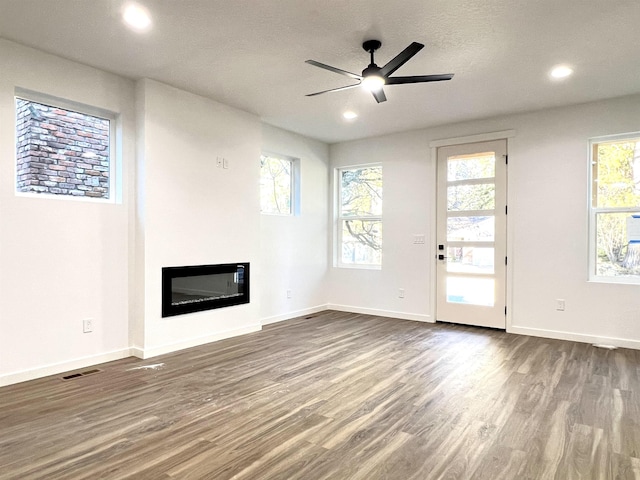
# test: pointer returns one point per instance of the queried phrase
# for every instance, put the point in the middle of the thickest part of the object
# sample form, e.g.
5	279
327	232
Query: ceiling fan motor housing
371	70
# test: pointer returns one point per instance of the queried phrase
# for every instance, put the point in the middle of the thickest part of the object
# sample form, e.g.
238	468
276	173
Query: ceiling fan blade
418	79
333	90
401	59
334	69
379	95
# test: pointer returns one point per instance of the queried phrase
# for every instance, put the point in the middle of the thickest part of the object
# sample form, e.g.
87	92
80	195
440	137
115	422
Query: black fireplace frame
169	273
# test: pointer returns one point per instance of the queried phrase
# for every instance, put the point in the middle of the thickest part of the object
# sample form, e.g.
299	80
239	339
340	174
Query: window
278	180
62	151
615	209
360	216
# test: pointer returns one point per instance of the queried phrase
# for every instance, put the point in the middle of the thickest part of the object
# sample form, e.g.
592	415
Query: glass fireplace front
204	287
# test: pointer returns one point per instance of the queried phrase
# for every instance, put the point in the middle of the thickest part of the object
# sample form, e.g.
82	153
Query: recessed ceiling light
349	115
137	17
561	71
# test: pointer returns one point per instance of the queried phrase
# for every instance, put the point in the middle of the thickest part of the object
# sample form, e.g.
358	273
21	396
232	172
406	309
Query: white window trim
593	211
115	167
339	219
294	186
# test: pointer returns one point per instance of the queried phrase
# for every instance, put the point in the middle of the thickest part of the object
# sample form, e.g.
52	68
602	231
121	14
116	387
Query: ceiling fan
373	77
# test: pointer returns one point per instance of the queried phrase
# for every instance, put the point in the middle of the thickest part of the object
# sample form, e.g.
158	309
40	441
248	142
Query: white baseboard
83	362
66	366
290	315
418	317
137	352
145	353
575	337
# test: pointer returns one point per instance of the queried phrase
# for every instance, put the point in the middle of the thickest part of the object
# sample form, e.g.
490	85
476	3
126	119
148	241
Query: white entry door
471	234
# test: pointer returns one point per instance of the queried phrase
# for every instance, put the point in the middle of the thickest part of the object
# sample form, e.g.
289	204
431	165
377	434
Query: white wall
61	260
407	177
547	225
293	249
193	212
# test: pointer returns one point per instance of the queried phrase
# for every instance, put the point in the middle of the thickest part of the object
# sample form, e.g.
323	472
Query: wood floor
336	396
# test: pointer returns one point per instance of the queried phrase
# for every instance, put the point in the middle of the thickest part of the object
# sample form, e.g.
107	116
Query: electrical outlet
401	293
87	325
560	305
288	293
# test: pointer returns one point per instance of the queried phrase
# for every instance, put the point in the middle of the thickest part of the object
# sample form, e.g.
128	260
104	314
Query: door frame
446	142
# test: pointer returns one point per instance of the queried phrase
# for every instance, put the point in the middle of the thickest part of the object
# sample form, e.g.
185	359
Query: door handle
441	257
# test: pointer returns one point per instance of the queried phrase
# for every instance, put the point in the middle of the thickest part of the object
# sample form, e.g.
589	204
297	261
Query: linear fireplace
203	287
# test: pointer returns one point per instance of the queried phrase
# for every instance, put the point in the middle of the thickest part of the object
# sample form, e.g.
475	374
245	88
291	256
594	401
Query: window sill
66	197
616	280
358	266
270	214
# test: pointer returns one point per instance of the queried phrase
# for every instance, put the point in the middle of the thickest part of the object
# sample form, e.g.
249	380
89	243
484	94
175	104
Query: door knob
441	257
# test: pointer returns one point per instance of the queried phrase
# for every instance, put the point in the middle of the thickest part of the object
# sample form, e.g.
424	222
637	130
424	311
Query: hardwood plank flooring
336	396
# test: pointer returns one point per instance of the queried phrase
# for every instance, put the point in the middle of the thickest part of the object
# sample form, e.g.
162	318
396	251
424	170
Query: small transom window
62	151
278	180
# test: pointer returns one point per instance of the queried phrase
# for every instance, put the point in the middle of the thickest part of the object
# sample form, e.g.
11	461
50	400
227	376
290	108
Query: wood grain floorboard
337	396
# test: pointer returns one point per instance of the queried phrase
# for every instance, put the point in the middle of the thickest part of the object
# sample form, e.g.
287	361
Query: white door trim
480	137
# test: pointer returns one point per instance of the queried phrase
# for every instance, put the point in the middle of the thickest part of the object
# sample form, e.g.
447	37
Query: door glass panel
471	291
467	167
471	229
471	197
470	260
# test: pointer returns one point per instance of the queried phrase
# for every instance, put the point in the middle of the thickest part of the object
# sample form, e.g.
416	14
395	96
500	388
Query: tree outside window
276	185
360	216
615	208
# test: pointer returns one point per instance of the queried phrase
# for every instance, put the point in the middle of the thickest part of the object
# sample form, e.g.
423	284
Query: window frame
115	194
339	218
294	185
594	210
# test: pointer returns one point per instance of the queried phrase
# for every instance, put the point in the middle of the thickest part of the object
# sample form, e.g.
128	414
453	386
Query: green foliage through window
615	205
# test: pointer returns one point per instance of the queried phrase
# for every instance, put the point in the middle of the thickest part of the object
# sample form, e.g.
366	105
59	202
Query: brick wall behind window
61	152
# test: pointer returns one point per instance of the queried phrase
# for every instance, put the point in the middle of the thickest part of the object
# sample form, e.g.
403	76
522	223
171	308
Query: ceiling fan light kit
373	78
372	82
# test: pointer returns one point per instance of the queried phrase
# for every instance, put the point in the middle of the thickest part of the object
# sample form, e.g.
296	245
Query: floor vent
80	374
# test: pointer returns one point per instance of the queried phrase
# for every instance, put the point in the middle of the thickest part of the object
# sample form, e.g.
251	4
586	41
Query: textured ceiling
250	54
